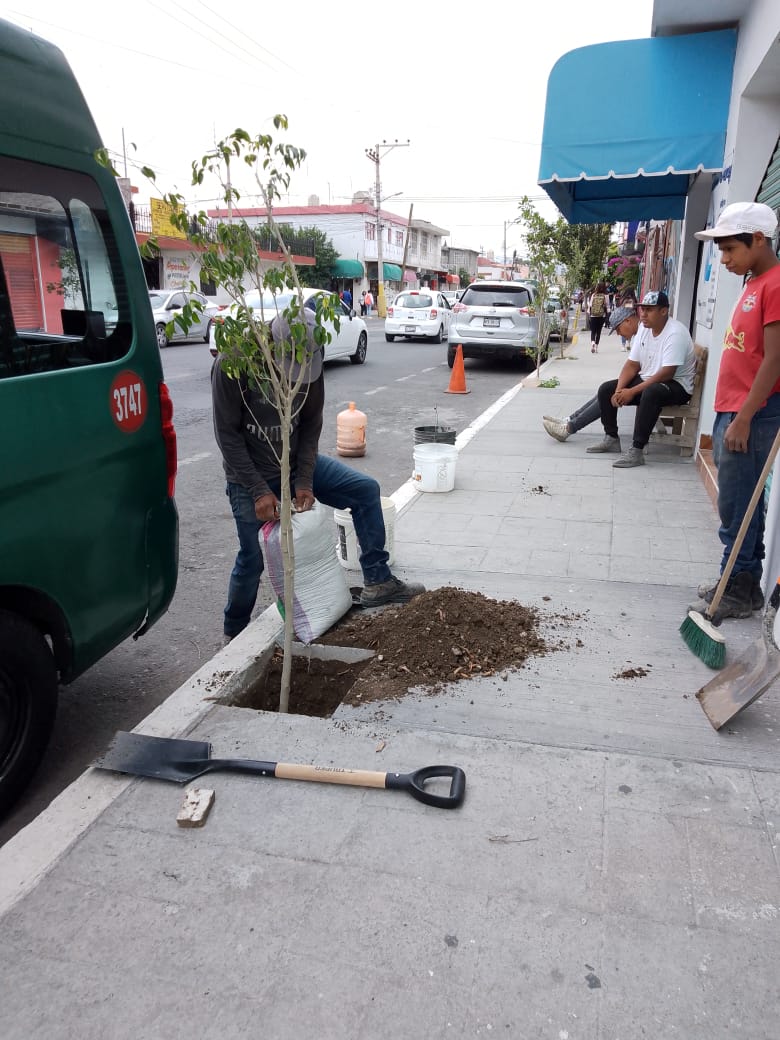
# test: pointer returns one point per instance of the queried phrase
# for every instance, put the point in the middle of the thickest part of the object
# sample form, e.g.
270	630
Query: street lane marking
195	458
376	390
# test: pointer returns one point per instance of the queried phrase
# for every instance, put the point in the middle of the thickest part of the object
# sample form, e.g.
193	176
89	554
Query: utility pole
375	154
406	244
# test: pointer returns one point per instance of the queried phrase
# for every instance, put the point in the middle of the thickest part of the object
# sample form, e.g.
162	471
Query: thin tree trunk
288	560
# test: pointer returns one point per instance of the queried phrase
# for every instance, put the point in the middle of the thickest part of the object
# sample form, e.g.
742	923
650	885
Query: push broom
699	629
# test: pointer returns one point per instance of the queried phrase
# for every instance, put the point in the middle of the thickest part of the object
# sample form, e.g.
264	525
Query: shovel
744	680
165	758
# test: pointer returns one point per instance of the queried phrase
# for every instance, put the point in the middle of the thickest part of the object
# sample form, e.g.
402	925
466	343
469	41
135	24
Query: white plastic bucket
434	467
347	546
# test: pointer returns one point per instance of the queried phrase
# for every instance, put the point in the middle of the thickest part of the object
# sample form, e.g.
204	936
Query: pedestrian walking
598	311
369	301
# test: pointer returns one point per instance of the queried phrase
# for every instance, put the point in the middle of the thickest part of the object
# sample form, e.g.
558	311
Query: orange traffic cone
458	377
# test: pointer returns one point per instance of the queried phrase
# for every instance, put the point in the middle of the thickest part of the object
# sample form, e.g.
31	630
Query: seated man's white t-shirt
672	346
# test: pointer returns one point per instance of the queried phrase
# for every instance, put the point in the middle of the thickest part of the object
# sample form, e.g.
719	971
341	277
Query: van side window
63	300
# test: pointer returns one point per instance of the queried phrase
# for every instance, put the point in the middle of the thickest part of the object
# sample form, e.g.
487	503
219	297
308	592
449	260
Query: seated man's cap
619	315
742	218
655	298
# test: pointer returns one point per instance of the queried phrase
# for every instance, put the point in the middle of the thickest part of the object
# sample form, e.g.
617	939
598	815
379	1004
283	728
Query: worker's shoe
633	457
756	595
391	591
557	428
608	444
737	601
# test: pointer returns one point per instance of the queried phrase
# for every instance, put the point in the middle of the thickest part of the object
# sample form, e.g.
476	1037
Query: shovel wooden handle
414	782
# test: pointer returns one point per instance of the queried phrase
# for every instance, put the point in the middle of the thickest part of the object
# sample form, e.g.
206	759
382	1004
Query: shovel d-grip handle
414	782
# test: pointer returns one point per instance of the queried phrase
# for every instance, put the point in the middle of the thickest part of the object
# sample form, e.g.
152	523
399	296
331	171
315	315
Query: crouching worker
248	428
658	372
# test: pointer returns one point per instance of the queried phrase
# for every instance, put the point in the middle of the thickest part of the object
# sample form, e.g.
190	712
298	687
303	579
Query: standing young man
747	395
658	372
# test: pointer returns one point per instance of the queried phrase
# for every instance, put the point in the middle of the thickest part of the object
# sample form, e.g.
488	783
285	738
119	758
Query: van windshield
63	299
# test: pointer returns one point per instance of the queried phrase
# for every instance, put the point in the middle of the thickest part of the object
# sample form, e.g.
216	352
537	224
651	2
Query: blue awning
628	124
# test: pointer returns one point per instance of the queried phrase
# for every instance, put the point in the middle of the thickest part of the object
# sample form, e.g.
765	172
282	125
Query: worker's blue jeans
738	474
335	485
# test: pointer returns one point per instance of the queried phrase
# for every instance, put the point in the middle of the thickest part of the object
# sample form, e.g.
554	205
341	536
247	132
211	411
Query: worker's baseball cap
654	298
619	315
741	218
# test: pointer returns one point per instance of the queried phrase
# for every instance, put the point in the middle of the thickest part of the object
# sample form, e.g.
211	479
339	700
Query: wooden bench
679	423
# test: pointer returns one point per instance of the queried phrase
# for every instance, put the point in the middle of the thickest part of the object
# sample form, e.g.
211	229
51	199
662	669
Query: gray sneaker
611	444
391	591
633	457
557	428
756	595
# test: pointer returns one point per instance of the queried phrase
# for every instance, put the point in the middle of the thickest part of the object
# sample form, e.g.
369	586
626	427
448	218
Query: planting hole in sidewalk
439	638
317	686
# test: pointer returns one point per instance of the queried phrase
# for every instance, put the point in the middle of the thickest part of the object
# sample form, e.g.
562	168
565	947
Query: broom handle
757	492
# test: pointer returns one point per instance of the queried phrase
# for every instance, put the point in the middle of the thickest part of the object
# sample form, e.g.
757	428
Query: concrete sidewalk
612	874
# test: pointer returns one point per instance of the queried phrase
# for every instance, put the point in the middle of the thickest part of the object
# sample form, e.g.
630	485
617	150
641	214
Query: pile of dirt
440	637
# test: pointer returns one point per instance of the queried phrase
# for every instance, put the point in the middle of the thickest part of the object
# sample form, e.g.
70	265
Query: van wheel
162	336
360	354
389	338
28	704
450	356
207	334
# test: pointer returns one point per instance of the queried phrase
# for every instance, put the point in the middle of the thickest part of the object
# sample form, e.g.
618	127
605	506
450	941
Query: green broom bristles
703	639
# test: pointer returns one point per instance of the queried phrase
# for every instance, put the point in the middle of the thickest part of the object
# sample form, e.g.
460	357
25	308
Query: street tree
541	251
247	350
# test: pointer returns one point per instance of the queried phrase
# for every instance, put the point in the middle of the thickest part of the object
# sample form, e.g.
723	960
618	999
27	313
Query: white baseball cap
742	218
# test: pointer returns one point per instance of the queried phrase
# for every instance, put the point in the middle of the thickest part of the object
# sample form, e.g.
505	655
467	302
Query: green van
88	522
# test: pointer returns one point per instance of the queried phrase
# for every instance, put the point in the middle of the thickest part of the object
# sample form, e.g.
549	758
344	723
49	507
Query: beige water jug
351	431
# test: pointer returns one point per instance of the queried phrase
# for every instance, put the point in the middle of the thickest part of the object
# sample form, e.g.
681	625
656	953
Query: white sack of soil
322	595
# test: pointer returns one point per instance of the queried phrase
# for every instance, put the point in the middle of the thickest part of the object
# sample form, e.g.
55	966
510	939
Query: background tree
582	248
325	256
464	276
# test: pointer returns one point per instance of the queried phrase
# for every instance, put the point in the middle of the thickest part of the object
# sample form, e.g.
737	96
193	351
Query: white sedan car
418	312
167	303
350	341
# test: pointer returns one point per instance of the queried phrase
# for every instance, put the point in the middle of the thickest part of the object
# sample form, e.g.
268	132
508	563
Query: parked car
350	341
495	319
557	319
418	313
167	303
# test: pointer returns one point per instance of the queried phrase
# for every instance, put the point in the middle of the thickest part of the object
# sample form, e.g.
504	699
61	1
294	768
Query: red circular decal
128	401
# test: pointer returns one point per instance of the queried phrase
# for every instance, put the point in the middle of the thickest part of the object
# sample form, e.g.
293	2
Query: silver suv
495	319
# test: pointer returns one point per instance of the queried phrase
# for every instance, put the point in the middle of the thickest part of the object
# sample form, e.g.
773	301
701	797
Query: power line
211	28
250	38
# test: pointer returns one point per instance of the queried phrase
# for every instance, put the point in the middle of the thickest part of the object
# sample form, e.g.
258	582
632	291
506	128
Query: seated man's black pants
649	405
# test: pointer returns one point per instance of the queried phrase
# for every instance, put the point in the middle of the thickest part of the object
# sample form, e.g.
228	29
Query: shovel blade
161	758
740	683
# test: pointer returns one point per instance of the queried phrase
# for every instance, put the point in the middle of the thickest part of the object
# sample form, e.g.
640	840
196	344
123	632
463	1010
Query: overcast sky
464	82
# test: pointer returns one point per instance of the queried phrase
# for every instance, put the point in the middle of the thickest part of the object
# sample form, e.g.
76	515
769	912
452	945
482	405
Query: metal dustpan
744	680
166	758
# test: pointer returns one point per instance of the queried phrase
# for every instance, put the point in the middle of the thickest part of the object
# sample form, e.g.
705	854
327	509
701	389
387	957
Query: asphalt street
401	386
